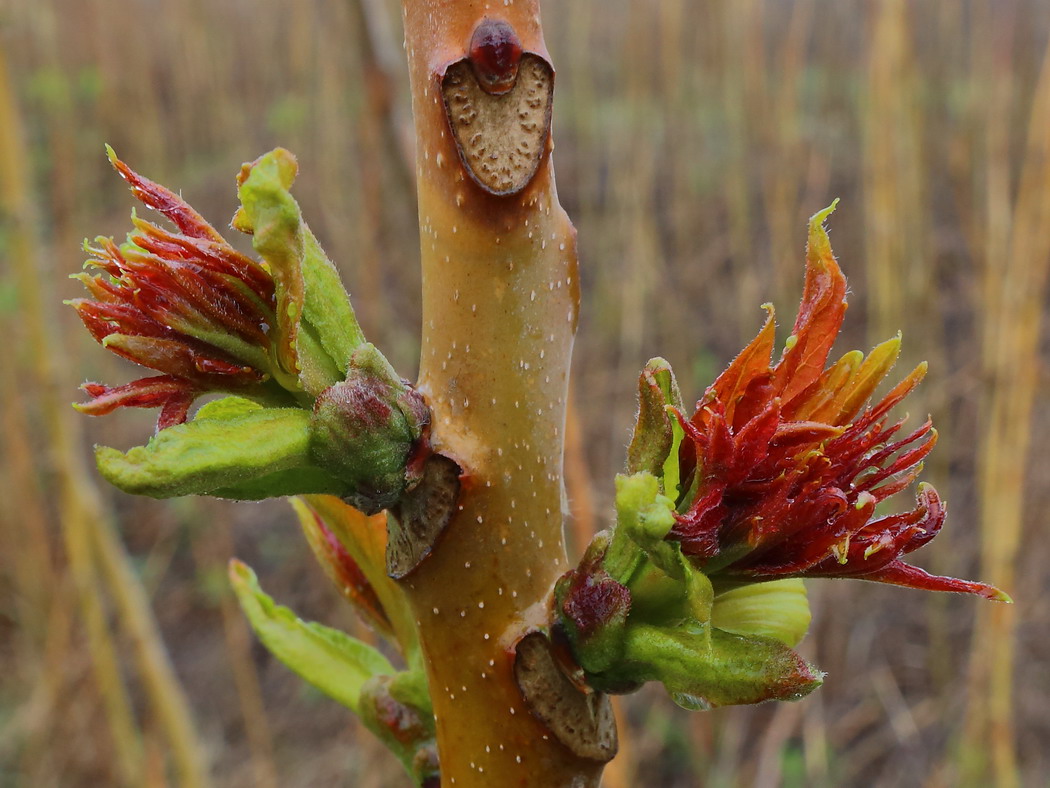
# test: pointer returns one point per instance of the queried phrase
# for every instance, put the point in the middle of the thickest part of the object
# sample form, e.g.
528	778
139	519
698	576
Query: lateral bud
370	431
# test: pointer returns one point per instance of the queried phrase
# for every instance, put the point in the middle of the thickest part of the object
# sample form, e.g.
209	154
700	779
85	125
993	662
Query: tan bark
500	301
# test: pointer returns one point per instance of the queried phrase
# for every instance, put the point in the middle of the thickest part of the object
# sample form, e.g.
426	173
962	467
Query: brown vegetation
692	141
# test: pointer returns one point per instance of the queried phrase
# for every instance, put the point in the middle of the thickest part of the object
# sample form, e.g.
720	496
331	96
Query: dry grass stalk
1017	261
92	547
76	525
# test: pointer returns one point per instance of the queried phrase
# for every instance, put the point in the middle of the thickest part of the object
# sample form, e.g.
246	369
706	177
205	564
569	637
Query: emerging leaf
364	538
786	466
234	448
312	307
332	661
280	334
776	476
657	434
344	572
395	705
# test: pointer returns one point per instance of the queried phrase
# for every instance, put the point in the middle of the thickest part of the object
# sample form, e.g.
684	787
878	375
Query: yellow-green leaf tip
816	221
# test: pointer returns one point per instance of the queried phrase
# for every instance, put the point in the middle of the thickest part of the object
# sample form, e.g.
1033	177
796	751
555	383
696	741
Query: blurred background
693	140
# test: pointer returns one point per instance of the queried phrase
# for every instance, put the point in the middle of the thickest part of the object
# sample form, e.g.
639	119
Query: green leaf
227	408
327	309
317	331
332	661
778	609
704	668
657	433
234	448
305	480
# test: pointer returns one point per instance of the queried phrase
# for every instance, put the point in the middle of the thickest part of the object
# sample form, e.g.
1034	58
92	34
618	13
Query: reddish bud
495	51
367	428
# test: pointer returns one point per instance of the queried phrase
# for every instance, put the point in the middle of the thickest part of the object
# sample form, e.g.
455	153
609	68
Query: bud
775	477
593	608
495	52
368	430
316	409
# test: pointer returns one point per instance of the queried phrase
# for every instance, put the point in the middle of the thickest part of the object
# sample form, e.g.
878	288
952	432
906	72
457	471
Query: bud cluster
775	477
316	409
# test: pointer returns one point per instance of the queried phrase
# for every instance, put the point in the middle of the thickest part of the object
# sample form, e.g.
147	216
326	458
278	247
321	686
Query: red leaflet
785	466
186	304
166	202
819	319
342	570
217	256
172	395
747	381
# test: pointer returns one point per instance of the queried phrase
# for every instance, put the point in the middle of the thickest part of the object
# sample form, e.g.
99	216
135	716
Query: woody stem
500	300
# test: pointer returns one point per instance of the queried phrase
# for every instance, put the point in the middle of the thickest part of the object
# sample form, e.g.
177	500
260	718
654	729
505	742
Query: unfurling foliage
313	407
308	408
775	477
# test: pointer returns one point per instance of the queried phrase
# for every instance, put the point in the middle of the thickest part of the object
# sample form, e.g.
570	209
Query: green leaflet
270	214
777	609
644	516
227	408
327	309
332	661
305	480
657	433
703	668
234	448
316	325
